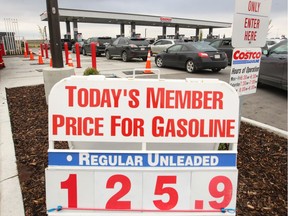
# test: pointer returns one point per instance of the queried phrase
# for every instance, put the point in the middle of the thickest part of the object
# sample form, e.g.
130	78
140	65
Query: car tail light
203	55
133	45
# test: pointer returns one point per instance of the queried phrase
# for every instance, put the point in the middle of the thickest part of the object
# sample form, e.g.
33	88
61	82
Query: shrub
91	71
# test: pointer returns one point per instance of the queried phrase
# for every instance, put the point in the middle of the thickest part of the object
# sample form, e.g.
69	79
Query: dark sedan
273	66
128	48
192	56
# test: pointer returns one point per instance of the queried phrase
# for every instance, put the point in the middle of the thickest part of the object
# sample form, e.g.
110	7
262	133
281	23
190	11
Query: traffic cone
70	62
148	64
40	59
31	56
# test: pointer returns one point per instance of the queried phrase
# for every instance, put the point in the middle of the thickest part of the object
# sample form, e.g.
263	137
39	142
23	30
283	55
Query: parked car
68	41
161	45
192	56
128	48
101	43
224	44
273	66
80	47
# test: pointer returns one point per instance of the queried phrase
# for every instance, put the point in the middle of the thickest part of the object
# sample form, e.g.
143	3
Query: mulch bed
262	158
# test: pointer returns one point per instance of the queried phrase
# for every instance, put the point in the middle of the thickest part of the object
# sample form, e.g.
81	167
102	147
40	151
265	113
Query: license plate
217	56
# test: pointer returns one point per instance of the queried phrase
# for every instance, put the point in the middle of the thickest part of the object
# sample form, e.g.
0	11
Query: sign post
250	26
153	179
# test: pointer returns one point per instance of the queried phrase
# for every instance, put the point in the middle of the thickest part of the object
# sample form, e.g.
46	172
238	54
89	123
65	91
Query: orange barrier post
2	65
25	53
31	55
148	64
40	59
51	63
70	62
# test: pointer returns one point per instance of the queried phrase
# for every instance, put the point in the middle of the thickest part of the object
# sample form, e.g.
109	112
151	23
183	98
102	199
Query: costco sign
143	111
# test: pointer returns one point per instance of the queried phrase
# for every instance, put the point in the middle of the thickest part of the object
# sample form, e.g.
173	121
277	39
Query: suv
101	43
128	48
161	45
224	44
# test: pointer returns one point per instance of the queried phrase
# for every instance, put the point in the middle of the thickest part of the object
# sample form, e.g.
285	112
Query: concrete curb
269	128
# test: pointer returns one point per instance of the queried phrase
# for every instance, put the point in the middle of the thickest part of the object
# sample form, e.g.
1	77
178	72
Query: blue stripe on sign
101	159
246	61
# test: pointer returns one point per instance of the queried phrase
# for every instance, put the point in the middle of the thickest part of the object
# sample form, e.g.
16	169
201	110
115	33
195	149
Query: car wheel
190	66
124	56
216	69
84	52
159	62
107	54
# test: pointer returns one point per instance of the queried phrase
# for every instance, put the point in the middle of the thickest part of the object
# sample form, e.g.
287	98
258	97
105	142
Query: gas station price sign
142	182
171	191
143	111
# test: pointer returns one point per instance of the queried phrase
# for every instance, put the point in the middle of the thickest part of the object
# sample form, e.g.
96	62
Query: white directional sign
251	21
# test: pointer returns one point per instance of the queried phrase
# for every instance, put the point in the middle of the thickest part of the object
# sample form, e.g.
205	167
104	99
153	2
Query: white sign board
122	110
206	192
245	70
250	24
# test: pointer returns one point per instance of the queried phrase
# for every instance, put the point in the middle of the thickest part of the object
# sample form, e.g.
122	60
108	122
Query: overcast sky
27	13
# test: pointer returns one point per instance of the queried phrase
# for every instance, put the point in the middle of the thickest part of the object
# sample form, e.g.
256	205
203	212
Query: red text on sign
254	6
162	127
129	127
177	99
238	55
94	97
220	187
87	126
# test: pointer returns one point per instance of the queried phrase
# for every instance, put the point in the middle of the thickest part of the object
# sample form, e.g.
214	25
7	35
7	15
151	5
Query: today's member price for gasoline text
142	190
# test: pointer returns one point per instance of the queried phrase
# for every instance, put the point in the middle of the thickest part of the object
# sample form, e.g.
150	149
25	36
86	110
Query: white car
161	45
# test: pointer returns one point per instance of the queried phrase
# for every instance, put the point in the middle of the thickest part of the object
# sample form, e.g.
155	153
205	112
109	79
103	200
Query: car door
273	66
171	56
86	45
112	47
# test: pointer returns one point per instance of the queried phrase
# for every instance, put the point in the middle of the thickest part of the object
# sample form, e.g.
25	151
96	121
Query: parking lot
268	105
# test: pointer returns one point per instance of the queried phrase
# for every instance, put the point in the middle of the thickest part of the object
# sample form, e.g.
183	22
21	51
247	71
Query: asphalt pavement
21	71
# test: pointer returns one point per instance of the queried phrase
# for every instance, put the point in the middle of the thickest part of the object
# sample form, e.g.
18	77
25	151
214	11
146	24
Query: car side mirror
265	52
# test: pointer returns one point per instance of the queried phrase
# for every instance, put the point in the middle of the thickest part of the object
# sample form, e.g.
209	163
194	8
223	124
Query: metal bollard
77	49
93	55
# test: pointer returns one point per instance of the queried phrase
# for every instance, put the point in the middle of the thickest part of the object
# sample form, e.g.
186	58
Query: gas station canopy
86	16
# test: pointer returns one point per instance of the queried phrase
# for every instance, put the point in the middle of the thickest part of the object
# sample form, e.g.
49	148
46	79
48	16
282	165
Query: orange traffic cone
40	59
70	62
148	64
51	63
31	56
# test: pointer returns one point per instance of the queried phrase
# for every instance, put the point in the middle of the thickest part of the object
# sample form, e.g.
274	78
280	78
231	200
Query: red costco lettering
238	55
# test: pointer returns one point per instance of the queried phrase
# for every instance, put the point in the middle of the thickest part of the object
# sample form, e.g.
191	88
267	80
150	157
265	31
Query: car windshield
203	46
281	49
138	41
